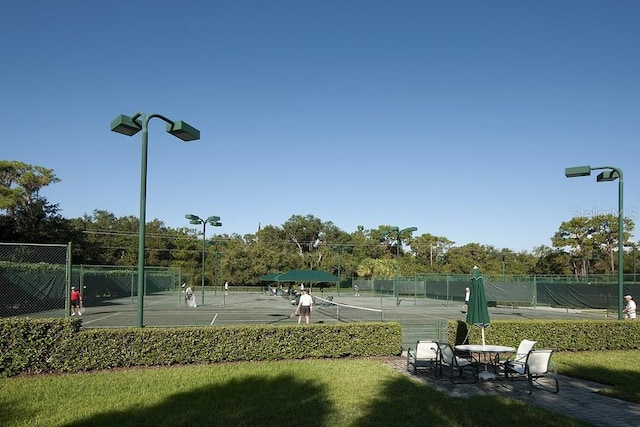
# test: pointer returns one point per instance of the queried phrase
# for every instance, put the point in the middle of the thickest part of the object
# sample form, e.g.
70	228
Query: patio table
486	350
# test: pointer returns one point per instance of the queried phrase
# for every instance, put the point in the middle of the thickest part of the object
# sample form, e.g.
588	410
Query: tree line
582	246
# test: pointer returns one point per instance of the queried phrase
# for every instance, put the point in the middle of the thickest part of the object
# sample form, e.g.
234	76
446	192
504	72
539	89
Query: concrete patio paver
577	398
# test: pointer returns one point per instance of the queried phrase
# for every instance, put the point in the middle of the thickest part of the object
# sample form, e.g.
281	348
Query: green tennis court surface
168	309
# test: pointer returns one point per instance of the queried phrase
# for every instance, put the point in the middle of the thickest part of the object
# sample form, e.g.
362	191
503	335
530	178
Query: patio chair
520	356
424	356
538	364
447	358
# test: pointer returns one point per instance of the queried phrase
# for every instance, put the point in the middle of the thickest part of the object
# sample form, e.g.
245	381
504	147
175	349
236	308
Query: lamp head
195	221
607	176
577	171
183	131
192	217
125	125
213	219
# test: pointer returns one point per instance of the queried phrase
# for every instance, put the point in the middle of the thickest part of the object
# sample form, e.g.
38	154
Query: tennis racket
81	308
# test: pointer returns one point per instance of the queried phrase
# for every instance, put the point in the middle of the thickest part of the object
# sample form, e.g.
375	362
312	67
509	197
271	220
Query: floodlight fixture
183	131
398	232
609	173
125	125
607	176
214	221
577	171
130	126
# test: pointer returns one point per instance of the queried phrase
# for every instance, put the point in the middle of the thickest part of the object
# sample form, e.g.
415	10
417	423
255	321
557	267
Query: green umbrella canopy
478	313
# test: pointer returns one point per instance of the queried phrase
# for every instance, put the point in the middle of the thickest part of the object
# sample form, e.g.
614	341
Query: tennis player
76	300
305	306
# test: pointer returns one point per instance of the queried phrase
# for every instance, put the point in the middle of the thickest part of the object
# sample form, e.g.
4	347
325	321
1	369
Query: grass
619	370
349	392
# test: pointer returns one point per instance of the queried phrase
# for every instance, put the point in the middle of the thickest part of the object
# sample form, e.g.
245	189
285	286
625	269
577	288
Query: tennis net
346	312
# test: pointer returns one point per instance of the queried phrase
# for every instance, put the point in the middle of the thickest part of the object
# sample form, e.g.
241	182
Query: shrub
50	345
562	335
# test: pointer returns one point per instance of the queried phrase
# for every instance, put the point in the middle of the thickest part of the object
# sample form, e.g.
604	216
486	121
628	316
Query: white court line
100	318
214	318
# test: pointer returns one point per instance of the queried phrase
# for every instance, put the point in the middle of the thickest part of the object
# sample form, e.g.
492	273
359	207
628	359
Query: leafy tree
587	238
430	250
29	217
108	240
606	234
551	261
462	259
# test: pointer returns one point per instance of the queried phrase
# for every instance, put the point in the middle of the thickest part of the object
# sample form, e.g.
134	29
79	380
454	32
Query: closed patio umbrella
478	313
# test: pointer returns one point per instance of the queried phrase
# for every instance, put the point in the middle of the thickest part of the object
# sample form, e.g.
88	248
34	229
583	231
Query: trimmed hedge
53	345
561	335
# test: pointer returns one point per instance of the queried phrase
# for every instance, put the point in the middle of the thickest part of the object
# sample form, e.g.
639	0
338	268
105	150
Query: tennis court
420	318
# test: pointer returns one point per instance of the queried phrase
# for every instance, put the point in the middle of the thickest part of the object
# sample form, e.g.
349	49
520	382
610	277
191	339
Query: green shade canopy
478	313
271	277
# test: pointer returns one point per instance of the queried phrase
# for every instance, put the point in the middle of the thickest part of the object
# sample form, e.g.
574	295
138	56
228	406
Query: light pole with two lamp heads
609	173
129	126
399	232
215	222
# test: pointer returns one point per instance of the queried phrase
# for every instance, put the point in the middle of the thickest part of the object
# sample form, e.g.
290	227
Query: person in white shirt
305	306
630	308
467	295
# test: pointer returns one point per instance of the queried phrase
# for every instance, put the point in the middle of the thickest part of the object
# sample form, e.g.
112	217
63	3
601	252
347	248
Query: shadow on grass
623	384
406	403
284	400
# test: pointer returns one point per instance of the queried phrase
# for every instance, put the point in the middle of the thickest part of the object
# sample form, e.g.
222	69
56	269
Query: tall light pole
634	264
504	268
340	249
610	173
399	232
215	222
129	126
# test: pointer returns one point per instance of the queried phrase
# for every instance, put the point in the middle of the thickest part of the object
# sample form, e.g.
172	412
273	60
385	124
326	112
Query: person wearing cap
76	300
630	309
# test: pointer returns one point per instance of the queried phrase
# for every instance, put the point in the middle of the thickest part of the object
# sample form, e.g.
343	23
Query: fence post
69	277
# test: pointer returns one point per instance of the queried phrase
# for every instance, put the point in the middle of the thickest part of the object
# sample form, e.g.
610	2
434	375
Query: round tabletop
479	348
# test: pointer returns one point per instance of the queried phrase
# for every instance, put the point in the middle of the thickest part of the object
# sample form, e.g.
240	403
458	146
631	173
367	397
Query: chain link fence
598	293
34	279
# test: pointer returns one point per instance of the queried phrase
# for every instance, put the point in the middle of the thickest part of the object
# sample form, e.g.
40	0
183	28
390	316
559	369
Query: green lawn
618	369
347	392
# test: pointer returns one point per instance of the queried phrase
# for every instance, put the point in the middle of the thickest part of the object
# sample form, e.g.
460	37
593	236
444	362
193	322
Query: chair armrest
501	361
411	356
466	355
514	366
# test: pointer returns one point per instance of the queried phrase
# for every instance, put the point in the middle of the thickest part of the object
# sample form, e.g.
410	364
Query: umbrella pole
486	375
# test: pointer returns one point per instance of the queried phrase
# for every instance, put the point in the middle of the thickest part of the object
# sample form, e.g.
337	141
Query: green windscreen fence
36	279
99	282
33	279
546	290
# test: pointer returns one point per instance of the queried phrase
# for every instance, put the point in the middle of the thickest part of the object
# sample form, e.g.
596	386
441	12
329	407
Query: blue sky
456	117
